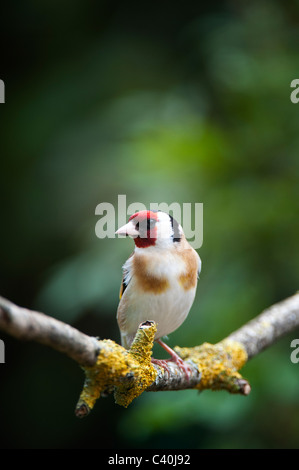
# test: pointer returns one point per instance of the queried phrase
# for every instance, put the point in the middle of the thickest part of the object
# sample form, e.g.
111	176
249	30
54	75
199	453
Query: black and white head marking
176	229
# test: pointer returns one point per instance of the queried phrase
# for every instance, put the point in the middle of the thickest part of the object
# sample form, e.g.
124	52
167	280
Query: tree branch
28	325
110	368
269	326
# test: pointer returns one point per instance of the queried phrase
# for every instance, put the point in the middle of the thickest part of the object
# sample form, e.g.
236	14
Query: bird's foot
177	360
161	363
174	357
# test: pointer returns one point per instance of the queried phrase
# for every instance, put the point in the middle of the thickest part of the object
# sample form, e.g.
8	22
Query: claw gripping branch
128	373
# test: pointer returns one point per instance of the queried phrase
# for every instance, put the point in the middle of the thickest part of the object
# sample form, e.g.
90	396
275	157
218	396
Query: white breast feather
168	309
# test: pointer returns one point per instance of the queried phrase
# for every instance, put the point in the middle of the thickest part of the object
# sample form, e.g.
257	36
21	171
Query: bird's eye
137	226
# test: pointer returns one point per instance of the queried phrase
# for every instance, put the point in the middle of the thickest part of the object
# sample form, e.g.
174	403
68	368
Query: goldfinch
159	278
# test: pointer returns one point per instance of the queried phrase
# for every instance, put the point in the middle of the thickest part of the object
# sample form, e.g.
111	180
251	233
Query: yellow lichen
144	372
128	372
218	364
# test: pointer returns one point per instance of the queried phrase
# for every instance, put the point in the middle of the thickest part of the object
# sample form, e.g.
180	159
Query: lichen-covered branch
109	368
128	373
219	364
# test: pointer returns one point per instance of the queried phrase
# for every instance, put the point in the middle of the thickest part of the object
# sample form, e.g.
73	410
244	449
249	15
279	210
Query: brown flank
189	279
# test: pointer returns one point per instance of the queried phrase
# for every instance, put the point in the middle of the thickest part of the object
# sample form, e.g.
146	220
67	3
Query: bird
159	279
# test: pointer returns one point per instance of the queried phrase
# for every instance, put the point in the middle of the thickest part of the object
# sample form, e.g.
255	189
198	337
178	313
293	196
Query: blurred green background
166	102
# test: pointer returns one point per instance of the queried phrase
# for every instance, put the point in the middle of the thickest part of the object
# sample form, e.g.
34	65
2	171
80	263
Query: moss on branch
109	368
219	365
128	373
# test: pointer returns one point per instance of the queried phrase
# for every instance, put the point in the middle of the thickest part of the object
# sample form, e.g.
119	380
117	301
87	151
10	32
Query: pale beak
128	229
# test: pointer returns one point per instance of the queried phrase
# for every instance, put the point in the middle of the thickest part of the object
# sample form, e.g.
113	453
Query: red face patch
145	223
144	215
